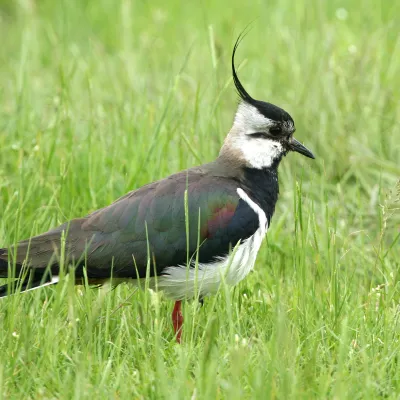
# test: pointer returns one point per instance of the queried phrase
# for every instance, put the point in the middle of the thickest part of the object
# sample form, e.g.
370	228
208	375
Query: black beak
295	145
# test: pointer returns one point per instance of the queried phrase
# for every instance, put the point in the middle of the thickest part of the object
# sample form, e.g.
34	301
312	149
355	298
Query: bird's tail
24	285
40	260
25	280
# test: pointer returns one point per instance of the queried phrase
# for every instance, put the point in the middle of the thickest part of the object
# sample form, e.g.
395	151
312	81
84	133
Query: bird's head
262	133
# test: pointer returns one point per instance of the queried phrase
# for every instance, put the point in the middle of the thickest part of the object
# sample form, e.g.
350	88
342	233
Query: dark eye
275	131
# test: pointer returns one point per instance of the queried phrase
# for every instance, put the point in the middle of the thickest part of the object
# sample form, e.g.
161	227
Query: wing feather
151	217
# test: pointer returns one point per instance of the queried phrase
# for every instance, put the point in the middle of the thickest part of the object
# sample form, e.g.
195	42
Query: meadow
101	97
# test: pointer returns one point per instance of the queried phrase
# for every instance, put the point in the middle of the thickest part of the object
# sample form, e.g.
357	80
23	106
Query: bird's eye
275	131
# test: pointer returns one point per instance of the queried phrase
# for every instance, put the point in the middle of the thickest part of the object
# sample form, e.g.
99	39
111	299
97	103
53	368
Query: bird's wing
165	222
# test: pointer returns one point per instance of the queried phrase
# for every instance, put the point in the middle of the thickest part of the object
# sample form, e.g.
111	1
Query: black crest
239	87
267	109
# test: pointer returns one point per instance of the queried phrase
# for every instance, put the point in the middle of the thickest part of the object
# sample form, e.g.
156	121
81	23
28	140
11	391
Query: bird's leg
177	320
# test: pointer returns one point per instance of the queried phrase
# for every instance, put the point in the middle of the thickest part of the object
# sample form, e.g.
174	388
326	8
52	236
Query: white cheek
259	153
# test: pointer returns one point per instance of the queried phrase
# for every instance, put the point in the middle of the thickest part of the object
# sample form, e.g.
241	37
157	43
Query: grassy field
100	97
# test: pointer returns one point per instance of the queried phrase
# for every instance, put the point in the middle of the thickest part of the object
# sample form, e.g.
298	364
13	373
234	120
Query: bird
186	233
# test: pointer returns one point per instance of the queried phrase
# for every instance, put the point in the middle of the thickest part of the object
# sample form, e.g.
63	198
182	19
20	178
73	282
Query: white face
257	152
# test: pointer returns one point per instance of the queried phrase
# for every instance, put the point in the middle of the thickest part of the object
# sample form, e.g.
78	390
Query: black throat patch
262	187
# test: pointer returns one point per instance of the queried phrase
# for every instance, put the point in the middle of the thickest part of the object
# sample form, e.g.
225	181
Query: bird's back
166	222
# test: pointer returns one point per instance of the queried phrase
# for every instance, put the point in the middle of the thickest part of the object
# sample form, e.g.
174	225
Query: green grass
100	97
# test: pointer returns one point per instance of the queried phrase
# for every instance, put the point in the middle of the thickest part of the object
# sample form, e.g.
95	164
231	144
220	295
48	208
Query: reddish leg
177	320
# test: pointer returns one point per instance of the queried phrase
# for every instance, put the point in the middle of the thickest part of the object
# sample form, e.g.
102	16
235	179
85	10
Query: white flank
181	282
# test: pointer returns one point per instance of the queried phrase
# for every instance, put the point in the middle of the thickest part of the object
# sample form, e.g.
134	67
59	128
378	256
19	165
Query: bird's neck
262	186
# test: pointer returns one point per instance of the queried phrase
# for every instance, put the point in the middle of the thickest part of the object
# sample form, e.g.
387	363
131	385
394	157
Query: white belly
181	282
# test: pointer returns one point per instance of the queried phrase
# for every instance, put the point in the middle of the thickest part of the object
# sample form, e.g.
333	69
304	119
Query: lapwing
186	233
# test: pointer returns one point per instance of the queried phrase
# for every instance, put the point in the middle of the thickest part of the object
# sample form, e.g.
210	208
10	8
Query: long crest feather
239	87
